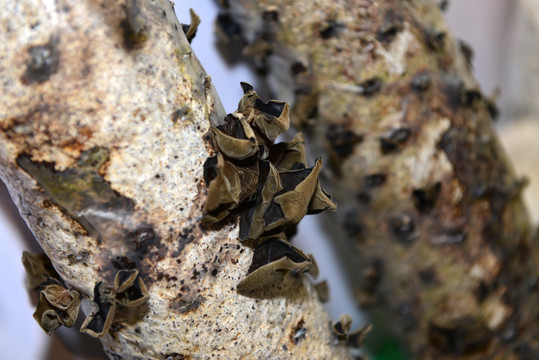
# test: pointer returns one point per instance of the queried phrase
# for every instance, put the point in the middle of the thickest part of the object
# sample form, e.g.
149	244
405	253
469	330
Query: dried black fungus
427	276
191	29
342	327
421	82
444	4
370	86
57	305
100	318
342	140
43	62
472	96
270	260
351	224
357	338
269	184
394	139
425	198
129	288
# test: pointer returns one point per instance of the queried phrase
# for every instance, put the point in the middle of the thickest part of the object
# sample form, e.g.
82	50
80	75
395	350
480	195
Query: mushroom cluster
268	184
56	305
128	291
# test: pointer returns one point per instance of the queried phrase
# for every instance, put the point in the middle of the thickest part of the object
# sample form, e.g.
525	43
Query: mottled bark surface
445	261
104	118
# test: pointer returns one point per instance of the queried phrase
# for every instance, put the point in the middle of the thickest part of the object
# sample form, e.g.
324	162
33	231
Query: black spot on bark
390	27
330	29
374	180
421	82
435	39
394	140
342	140
425	199
43	62
403	227
465	335
370	86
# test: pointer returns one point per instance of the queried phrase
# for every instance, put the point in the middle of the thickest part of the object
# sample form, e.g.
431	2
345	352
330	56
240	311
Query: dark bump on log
444	4
394	139
463	336
403	227
342	140
374	180
271	14
482	291
43	62
297	68
135	31
390	27
436	39
175	356
466	51
421	82
364	197
428	275
471	96
425	199
330	29
351	223
228	26
299	332
370	86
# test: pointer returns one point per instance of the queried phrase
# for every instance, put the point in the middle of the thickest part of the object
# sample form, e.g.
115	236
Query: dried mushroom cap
233	147
293	203
100	318
252	219
130	289
320	201
38	269
57	306
286	155
271	119
270	260
322	289
357	338
192	29
342	327
228	186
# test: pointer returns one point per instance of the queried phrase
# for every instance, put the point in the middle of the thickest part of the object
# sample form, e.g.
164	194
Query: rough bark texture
445	260
104	103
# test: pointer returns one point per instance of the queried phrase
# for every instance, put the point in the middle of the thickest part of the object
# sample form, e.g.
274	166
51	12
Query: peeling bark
445	262
104	123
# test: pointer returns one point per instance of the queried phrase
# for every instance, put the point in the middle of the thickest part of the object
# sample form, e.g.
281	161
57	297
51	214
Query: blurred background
503	35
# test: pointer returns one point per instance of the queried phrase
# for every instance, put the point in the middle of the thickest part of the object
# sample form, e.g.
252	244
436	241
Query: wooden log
104	121
445	262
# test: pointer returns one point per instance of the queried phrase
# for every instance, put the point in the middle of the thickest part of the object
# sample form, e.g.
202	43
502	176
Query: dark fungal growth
42	63
191	29
135	30
393	140
57	305
100	318
268	184
370	86
342	140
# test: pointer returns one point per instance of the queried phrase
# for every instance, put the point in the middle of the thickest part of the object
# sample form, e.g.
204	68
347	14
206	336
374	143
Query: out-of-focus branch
104	119
445	262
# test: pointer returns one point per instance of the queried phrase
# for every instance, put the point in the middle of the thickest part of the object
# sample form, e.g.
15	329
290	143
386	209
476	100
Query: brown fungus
269	184
342	327
129	288
191	30
38	268
57	306
100	318
270	260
